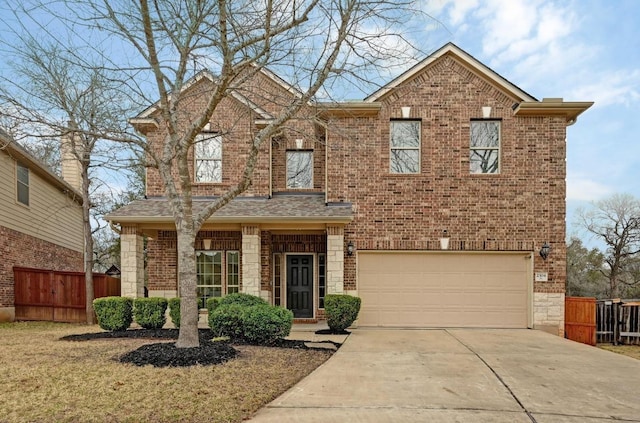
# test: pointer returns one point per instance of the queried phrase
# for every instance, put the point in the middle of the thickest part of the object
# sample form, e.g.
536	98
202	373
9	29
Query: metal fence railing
618	321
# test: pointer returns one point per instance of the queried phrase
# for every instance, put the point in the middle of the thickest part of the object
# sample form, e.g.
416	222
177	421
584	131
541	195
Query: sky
581	50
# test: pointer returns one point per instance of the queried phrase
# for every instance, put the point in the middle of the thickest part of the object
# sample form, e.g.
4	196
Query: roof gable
475	65
206	75
16	151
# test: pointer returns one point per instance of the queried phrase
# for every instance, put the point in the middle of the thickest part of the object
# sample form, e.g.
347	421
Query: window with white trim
212	279
404	146
208	158
322	279
22	184
484	147
299	169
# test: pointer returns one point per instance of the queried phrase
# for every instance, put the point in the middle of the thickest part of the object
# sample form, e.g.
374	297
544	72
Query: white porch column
251	265
131	262
335	260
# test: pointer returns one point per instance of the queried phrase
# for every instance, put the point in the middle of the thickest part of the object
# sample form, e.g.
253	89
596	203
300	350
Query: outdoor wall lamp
350	248
545	250
207	244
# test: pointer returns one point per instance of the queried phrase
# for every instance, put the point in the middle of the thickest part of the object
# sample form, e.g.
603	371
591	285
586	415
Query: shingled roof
290	207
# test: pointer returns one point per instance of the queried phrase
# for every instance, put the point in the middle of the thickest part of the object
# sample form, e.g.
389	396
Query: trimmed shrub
213	303
265	324
227	320
242	299
150	312
341	311
114	313
174	311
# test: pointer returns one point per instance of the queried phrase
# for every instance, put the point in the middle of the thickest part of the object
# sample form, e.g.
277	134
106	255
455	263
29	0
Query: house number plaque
542	277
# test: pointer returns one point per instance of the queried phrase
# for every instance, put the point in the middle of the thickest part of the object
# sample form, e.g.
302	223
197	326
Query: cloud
621	86
582	188
519	35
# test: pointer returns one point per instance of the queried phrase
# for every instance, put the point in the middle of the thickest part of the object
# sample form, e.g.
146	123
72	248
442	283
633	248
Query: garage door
407	289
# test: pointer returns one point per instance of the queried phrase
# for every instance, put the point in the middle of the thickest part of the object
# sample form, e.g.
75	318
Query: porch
288	249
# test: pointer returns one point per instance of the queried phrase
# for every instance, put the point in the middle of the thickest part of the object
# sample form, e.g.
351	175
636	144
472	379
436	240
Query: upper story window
405	146
22	184
300	169
208	158
484	149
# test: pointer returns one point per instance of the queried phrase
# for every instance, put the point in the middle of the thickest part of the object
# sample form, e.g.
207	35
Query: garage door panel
443	290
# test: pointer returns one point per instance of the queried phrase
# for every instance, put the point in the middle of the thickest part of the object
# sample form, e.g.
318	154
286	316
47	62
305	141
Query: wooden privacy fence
618	321
580	319
57	296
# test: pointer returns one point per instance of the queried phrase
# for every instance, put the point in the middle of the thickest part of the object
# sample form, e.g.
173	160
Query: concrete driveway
463	375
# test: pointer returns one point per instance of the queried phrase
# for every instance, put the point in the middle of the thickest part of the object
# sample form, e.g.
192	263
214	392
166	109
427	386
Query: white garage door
415	289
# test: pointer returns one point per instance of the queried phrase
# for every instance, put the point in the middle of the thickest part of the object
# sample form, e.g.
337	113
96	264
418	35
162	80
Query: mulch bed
165	354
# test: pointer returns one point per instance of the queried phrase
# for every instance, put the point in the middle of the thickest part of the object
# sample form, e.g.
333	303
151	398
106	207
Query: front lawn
46	379
628	350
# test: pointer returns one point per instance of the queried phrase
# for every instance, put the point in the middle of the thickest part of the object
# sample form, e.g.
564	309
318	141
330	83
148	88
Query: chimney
71	168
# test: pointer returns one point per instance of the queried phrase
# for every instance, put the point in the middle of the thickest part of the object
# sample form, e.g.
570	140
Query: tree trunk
188	334
88	245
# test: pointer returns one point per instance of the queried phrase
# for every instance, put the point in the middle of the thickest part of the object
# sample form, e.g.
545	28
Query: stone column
251	266
335	260
131	262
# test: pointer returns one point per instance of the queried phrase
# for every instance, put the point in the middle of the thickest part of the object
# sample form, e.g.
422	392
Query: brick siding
518	209
18	249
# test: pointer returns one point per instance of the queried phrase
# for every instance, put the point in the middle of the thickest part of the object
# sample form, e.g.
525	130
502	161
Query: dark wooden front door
300	285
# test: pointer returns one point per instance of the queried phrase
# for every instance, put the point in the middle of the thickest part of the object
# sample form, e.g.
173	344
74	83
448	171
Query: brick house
40	219
430	199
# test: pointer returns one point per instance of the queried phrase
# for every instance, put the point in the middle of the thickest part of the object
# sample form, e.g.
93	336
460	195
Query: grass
45	379
628	350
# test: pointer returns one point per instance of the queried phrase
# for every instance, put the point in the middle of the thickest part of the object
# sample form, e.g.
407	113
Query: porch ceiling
278	208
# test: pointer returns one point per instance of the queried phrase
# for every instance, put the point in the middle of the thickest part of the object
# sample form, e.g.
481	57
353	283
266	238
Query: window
484	150
299	169
22	185
210	275
322	279
405	146
233	272
277	279
208	158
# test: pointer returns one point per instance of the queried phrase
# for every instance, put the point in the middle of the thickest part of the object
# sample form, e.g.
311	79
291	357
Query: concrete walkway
463	375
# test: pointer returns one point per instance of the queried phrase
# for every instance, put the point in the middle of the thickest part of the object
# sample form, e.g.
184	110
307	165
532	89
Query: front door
300	285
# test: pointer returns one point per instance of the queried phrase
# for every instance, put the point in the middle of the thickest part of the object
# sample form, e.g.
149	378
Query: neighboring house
357	199
40	219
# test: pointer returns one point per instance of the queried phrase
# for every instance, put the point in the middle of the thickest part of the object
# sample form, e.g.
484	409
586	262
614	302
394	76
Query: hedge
227	320
265	324
341	311
150	312
114	313
174	311
242	299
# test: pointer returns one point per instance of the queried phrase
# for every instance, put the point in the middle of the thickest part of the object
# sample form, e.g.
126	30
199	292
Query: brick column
251	266
131	262
335	260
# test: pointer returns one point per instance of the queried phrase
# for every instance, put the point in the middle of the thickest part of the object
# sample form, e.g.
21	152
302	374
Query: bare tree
615	221
53	96
312	42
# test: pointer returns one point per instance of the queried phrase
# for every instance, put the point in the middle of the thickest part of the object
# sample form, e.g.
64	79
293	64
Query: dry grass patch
49	380
628	350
